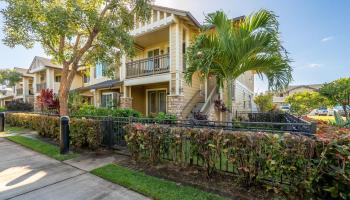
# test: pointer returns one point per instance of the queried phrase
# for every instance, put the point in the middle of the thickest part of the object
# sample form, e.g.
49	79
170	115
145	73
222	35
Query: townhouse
153	80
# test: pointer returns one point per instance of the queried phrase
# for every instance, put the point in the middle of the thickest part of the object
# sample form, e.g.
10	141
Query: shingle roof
105	84
23	71
312	86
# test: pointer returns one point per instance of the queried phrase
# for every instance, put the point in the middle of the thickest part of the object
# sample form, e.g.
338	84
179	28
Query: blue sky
315	32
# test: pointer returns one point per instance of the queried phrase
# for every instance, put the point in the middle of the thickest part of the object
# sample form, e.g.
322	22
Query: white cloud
314	65
326	39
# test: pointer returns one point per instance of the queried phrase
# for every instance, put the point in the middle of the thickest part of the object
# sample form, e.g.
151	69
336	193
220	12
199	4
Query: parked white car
322	111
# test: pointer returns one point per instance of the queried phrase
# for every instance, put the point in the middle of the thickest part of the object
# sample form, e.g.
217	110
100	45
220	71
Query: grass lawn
41	147
14	128
150	186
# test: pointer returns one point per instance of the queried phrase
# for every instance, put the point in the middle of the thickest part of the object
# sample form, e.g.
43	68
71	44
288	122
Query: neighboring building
23	90
279	97
48	75
6	96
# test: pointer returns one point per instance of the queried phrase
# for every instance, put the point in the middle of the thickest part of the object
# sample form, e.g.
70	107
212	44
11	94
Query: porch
149	99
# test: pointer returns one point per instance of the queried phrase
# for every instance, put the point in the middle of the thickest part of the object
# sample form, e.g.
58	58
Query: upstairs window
58	78
101	70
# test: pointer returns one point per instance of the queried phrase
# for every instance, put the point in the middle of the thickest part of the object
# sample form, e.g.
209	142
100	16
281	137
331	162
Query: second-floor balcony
149	66
40	86
19	91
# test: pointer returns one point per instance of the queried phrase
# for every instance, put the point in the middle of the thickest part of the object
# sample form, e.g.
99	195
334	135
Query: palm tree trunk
229	100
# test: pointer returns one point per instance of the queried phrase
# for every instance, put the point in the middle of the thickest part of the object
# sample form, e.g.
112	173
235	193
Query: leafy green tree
302	103
264	102
74	33
227	49
9	77
338	92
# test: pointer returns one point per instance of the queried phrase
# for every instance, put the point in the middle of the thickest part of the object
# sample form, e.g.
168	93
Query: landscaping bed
151	186
291	166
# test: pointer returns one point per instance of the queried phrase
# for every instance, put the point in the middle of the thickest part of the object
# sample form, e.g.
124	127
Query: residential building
153	80
280	97
23	90
47	74
6	96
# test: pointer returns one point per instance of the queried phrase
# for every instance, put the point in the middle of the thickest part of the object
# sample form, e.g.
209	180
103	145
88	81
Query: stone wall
175	105
125	102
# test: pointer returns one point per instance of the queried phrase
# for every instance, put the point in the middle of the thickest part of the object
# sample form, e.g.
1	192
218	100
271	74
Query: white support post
158	15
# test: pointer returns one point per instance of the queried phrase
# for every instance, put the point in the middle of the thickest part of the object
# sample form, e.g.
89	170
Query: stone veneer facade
126	102
175	105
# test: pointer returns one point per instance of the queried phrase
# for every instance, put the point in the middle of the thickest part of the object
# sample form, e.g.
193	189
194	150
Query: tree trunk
66	82
229	100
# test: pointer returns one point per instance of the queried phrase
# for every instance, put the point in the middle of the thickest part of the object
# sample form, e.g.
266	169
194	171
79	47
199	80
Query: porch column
126	99
175	99
25	88
122	70
50	77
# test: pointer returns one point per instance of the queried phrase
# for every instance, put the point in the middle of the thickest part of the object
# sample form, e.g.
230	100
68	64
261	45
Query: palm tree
227	48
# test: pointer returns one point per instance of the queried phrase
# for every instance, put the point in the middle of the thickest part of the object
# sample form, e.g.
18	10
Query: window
86	78
110	99
101	70
233	91
107	100
58	78
244	100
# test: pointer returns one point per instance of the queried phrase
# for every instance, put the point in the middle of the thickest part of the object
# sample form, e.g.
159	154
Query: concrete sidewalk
25	174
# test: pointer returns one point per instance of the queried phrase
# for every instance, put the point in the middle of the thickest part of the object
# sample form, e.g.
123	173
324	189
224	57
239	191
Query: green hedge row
84	133
293	164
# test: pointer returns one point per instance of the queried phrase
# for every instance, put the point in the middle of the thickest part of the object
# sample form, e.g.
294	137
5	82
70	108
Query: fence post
110	131
313	127
64	134
2	122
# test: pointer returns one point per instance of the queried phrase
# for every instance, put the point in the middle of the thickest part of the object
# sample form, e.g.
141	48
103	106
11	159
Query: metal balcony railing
149	66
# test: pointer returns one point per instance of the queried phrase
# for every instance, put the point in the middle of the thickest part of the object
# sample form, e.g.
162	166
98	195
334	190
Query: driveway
25	174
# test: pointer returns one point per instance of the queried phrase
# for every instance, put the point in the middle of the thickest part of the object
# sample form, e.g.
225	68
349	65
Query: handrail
192	100
209	101
148	66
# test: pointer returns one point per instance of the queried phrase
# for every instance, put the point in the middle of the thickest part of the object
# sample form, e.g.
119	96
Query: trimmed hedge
83	132
293	164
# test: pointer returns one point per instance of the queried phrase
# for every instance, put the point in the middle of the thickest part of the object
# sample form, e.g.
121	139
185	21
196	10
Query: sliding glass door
156	102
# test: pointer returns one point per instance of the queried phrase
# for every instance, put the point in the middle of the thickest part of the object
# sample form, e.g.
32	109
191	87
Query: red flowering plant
48	101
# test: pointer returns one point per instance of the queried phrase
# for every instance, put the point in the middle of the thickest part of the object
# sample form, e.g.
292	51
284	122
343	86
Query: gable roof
23	71
41	62
313	87
181	13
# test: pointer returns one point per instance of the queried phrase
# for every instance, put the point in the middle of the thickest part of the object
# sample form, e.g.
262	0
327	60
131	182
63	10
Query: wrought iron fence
113	131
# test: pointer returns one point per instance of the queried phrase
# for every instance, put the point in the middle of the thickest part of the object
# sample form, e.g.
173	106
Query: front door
156	102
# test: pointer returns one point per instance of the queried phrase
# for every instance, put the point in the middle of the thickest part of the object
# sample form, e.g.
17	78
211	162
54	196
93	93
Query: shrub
83	132
48	101
291	163
2	109
89	110
18	105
